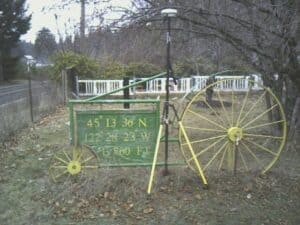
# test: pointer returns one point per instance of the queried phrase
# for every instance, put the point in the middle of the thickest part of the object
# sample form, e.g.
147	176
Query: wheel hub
74	167
235	134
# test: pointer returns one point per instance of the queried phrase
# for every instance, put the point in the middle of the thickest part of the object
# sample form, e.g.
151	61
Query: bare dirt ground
118	196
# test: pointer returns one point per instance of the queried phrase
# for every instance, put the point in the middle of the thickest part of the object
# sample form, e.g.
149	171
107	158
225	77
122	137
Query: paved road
12	92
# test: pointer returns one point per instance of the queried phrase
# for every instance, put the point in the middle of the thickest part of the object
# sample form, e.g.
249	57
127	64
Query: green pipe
128	86
115	101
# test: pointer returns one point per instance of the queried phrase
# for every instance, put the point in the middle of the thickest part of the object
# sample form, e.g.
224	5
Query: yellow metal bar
261	135
67	156
59	159
79	156
59	175
284	133
201	174
58	167
251	153
264	124
202	117
217	115
223	156
154	159
253	106
206	139
215	156
242	109
223	107
88	159
243	159
262	147
262	114
204	129
206	149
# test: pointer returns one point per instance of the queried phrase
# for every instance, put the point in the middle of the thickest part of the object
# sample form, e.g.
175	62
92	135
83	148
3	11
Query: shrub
116	70
200	66
142	70
81	65
112	70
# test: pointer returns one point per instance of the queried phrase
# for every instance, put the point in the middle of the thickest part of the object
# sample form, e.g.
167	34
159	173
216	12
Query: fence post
64	85
76	86
94	88
126	92
30	96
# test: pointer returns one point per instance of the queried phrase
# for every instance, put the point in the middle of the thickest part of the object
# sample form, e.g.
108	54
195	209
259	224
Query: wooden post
126	92
30	96
64	83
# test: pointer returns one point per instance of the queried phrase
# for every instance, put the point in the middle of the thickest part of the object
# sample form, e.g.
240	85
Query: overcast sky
68	19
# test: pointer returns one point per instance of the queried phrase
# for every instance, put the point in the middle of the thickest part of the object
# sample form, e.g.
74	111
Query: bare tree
264	32
98	11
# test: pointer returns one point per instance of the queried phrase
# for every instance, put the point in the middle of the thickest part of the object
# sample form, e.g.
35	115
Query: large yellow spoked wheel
235	129
73	161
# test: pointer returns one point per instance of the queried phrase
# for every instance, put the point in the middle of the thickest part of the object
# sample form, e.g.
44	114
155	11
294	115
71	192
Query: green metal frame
98	100
80	117
125	87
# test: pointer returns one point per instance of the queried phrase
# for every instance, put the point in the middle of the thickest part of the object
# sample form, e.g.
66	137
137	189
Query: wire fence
25	102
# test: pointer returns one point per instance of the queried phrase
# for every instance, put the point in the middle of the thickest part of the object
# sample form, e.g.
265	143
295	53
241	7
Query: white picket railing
158	86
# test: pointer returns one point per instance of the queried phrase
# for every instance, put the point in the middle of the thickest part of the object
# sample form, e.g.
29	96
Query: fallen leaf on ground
198	197
148	210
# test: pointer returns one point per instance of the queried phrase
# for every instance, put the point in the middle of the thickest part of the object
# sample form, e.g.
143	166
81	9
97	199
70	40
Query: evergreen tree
13	23
45	44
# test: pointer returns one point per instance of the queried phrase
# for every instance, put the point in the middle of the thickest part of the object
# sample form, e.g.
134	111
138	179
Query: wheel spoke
79	155
206	149
223	107
253	106
242	108
215	156
243	159
59	175
262	136
88	159
203	129
223	156
261	115
61	160
206	139
262	147
251	153
58	167
208	120
67	156
214	111
265	124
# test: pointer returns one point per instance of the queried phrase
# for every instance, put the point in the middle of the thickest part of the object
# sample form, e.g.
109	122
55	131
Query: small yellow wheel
73	161
234	129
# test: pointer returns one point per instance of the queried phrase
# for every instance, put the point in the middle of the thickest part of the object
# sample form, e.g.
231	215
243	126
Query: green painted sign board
126	137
